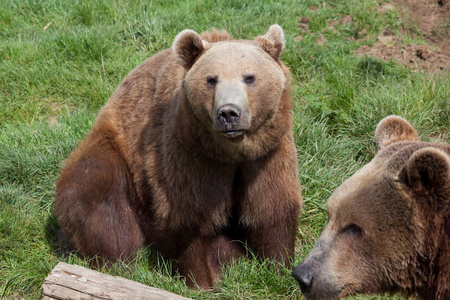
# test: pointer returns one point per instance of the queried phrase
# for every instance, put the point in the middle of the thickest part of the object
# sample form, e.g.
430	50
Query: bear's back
143	100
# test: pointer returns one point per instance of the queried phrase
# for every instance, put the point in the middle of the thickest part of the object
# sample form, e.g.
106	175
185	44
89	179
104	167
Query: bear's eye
212	80
249	79
353	229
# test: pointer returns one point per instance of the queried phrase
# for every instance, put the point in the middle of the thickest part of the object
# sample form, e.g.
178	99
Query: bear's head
235	88
388	225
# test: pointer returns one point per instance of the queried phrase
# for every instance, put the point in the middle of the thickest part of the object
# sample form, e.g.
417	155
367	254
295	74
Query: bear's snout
228	115
304	276
231	116
231	121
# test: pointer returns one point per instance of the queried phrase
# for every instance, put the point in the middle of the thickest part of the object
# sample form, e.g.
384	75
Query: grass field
61	60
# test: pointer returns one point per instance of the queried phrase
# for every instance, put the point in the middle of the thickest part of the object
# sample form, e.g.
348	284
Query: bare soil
428	19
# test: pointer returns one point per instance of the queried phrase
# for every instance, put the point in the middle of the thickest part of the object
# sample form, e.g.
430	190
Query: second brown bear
193	153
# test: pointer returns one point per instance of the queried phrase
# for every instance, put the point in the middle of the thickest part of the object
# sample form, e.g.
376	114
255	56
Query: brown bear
193	153
388	227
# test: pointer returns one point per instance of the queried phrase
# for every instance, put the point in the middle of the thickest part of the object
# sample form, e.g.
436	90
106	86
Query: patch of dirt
432	21
433	18
321	40
303	24
56	109
390	47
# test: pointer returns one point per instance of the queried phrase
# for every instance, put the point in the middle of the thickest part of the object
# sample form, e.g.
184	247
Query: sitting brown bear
193	152
388	226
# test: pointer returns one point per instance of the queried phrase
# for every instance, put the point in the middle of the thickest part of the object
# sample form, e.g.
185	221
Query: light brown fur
153	170
389	224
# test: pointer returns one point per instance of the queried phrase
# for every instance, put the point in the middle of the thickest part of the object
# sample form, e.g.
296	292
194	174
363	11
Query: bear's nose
304	277
228	115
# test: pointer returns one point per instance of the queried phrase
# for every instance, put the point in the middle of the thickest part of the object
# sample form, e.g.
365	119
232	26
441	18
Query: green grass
53	82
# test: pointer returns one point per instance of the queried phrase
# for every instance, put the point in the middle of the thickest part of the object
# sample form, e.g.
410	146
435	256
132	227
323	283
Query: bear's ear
392	129
273	41
187	47
428	171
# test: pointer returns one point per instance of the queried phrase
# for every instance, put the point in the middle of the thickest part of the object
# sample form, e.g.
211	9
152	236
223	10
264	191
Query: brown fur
389	224
154	171
215	36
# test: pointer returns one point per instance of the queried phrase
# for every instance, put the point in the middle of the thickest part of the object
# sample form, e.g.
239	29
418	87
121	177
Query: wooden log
75	282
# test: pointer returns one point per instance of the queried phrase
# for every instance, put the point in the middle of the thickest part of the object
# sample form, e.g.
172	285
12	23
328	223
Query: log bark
75	282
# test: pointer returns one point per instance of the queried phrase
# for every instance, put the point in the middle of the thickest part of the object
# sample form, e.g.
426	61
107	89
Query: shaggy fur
154	170
389	224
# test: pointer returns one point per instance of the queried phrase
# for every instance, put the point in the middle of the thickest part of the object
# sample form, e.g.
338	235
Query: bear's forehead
348	190
232	51
394	157
384	168
230	59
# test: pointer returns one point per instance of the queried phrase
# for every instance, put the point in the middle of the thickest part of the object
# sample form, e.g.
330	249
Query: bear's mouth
232	133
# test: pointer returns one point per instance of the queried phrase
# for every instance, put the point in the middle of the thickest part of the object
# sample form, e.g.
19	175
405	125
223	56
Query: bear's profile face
233	86
379	219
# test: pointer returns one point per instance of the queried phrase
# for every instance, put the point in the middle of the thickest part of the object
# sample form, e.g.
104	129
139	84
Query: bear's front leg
270	200
202	260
